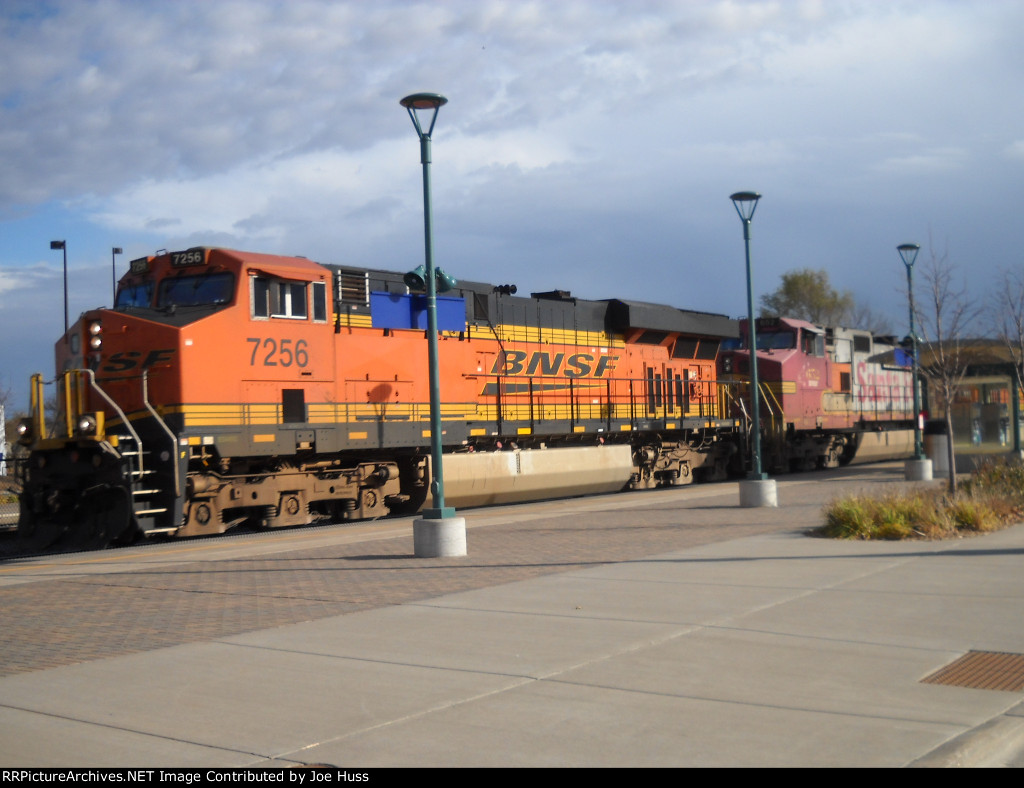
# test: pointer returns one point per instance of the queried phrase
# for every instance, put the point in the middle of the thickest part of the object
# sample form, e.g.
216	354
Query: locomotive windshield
196	290
135	294
783	340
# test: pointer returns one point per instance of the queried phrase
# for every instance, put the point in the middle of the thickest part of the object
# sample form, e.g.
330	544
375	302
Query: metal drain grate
982	670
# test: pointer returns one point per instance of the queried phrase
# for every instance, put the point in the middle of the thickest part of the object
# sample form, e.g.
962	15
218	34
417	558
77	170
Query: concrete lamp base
758	492
439	538
918	470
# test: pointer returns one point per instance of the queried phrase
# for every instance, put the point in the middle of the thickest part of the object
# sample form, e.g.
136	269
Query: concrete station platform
667	628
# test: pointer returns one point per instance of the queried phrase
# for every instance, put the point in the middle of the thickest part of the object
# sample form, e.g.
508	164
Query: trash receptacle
936	445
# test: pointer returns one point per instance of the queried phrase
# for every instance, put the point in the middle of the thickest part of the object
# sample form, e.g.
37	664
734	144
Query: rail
628	402
71	381
116	408
768	397
877	402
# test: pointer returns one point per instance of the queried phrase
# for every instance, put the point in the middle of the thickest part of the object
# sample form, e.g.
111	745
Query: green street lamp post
746	204
430	102
758	489
442	540
918	469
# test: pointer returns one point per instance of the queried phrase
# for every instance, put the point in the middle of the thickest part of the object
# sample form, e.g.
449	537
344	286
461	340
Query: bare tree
865	317
945	314
1008	319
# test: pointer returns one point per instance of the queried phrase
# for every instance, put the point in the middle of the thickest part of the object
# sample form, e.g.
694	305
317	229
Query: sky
587	145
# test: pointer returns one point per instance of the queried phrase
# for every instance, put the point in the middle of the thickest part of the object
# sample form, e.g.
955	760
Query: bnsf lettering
124	360
513	364
604	364
548	365
578	365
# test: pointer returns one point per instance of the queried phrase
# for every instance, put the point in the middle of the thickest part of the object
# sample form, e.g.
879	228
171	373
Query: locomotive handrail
37	399
528	399
124	419
768	396
163	425
877	401
73	403
730	391
743	409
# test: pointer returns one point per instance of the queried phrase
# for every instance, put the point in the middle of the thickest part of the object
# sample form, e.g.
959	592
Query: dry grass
991	499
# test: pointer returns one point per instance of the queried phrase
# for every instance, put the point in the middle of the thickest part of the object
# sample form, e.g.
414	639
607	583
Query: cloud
1015	150
925	161
98	93
580	136
12	280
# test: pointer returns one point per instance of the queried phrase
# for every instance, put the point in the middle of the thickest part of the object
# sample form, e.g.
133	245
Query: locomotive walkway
668	628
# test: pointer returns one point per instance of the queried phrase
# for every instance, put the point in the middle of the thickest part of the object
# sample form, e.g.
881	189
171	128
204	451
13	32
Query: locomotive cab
180	280
143	388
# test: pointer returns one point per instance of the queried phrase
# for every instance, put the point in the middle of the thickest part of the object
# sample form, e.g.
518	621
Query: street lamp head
746	204
57	244
908	252
117	250
423	101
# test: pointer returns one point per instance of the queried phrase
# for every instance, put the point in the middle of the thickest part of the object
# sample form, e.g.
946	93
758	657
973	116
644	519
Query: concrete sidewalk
768	650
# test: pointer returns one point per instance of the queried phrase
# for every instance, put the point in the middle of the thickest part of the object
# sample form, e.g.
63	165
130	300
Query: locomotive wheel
105	520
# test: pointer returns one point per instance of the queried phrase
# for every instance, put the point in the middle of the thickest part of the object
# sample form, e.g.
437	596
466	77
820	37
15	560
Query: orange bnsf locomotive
226	387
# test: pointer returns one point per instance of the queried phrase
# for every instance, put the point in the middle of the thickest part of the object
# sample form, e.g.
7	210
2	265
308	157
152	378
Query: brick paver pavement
48	623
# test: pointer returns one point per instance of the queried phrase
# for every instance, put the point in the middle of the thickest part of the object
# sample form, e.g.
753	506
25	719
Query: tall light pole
759	489
746	204
919	469
438	532
63	246
114	252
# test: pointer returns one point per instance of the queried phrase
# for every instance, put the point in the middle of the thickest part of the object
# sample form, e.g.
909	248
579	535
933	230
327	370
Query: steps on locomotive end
141	496
134	474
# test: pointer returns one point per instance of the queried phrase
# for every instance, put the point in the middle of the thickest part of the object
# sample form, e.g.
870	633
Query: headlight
25	435
96	343
95	327
89	424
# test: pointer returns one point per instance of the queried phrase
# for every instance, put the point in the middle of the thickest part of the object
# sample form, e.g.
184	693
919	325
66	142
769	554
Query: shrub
847	518
992	498
973	515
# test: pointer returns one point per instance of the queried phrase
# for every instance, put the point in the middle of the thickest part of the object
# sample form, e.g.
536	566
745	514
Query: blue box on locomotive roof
409	311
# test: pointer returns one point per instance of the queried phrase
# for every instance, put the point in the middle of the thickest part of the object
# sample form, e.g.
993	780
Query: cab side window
319	302
283	298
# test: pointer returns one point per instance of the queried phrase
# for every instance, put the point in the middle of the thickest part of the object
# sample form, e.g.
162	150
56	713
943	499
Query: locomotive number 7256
270	352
